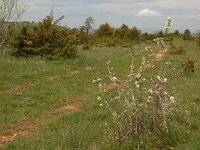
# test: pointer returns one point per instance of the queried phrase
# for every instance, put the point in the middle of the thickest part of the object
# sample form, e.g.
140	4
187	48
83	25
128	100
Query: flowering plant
142	104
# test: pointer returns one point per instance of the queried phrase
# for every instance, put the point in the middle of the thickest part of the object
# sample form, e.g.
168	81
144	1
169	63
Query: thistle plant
142	104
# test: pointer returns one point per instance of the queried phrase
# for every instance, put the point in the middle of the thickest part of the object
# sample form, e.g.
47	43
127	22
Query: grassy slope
83	129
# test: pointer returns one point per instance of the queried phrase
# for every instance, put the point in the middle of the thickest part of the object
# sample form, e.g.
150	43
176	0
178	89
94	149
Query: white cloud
148	13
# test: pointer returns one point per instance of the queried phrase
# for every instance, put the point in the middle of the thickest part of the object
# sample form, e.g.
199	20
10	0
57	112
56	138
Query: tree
88	24
123	32
176	32
135	34
10	11
105	30
187	35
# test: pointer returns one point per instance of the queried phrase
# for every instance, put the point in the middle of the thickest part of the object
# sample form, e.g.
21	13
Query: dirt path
27	127
12	89
157	57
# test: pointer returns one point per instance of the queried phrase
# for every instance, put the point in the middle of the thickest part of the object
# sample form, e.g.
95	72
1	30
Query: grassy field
33	93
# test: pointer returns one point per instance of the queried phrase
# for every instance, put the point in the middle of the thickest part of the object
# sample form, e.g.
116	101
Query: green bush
68	51
24	52
188	66
48	40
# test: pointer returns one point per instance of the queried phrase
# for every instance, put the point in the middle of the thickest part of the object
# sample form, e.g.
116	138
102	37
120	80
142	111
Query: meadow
52	104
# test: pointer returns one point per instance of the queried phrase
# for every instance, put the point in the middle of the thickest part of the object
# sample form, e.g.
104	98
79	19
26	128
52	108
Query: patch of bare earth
11	89
23	131
25	128
51	78
75	72
158	57
68	107
90	68
111	86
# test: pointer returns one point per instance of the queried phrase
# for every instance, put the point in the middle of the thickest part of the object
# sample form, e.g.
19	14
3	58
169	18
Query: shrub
24	52
187	35
68	51
47	40
188	66
176	49
45	50
142	106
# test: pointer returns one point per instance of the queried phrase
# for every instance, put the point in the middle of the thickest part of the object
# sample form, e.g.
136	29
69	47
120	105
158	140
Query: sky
147	15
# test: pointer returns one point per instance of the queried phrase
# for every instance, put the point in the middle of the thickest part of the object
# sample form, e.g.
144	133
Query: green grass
39	95
84	129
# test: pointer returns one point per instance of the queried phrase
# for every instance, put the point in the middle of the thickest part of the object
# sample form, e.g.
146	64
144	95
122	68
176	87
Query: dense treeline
50	40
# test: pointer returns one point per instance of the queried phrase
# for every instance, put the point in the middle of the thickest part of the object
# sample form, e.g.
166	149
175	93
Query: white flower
168	63
138	75
95	81
150	91
100	86
143	63
148	48
101	104
169	23
114	79
116	97
165	93
99	98
165	79
187	112
108	62
172	98
158	77
137	84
